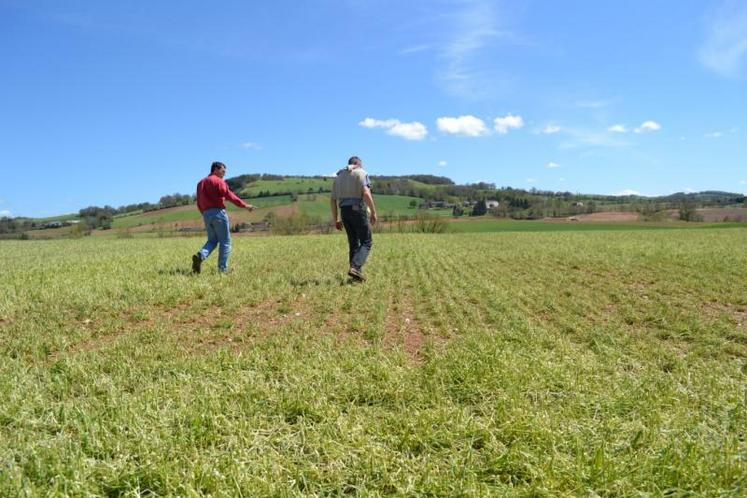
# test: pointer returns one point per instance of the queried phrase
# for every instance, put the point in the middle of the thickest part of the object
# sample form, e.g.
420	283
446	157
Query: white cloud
5	214
715	134
550	129
688	190
724	50
743	182
531	180
552	165
503	124
618	128
251	145
468	126
648	126
441	164
378	123
409	131
628	191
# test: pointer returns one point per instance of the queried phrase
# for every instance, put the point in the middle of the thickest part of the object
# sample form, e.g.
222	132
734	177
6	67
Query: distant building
492	204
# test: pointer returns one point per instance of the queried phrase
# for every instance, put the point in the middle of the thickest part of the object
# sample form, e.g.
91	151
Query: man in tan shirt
352	193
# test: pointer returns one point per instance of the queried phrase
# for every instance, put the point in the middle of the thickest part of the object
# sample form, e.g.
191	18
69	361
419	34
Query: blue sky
122	102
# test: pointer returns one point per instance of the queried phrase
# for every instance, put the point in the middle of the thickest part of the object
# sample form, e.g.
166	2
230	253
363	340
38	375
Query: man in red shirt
211	192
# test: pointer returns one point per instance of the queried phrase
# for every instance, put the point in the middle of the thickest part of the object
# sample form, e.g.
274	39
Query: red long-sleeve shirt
212	190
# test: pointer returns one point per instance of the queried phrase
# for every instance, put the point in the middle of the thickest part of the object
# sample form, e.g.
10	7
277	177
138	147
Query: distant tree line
102	217
15	225
427	179
462	199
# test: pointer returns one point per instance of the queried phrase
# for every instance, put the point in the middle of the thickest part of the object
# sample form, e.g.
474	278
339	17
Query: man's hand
338	224
373	218
250	208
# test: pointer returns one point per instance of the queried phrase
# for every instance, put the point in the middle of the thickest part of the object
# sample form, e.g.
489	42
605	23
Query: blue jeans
217	226
360	238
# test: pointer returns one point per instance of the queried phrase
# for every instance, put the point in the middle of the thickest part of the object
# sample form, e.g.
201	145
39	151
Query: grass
289	184
542	364
62	217
267	202
392	205
191	213
399	205
316	205
170	215
478	225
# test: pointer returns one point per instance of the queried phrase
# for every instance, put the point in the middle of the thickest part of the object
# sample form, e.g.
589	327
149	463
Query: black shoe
357	274
196	263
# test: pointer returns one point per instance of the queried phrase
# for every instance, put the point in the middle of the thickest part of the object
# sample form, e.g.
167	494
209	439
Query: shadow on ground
184	272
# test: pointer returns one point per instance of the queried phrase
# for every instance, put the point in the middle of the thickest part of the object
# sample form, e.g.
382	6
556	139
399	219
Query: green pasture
315	206
296	185
62	217
399	205
129	213
266	202
393	205
470	364
414	184
396	205
159	216
184	213
311	204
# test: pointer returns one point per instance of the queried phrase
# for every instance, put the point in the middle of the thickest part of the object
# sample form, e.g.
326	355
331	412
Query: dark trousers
360	239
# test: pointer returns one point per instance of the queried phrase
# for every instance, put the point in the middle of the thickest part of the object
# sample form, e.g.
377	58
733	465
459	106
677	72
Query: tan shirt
349	184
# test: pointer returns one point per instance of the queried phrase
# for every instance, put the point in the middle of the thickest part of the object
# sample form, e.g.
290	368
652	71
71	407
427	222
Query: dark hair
216	165
355	160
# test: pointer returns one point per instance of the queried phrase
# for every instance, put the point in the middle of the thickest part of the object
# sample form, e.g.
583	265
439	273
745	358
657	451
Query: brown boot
357	274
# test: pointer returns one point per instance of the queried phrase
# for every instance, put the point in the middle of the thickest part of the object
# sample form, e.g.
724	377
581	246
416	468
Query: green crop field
558	363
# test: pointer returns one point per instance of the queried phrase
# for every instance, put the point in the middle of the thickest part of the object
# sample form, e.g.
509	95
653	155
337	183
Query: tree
688	212
480	208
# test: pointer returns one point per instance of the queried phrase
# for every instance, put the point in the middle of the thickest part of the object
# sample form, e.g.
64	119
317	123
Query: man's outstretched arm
235	199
